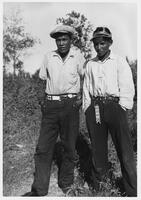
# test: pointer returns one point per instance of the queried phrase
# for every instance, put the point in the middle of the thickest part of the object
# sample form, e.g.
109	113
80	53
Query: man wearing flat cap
62	70
62	29
108	93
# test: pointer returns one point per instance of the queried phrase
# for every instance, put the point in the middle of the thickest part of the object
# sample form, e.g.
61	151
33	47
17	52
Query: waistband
105	99
60	97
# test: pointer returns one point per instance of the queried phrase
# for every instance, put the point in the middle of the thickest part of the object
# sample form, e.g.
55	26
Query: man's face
101	46
63	42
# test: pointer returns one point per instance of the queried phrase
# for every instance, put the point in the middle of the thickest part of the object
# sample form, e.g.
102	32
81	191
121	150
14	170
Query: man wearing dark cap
62	69
108	93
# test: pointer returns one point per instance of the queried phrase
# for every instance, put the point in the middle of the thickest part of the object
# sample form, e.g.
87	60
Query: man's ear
111	42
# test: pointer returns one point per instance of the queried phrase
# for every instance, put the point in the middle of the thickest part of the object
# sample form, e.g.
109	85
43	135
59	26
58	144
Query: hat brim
100	35
54	35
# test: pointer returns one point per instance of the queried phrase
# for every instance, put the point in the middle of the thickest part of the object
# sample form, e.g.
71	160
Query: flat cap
101	31
62	29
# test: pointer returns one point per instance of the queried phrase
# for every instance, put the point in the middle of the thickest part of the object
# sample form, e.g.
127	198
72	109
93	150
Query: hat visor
100	35
54	35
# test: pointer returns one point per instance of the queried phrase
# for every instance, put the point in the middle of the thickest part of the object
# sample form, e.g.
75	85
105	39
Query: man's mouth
62	47
99	52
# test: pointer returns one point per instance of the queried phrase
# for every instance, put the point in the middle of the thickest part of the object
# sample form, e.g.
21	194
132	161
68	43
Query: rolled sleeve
86	93
81	64
43	69
126	85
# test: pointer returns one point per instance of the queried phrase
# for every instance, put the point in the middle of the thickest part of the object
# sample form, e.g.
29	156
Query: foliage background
22	115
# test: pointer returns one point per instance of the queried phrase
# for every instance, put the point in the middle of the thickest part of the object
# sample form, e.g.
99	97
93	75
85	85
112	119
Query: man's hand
41	100
78	101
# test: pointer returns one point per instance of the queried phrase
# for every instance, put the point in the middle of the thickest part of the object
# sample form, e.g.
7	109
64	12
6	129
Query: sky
40	19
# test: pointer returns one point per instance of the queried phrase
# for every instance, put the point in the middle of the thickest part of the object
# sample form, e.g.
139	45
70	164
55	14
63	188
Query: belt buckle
105	99
70	95
57	98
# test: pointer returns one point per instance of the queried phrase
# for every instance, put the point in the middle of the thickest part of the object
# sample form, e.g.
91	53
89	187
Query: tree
83	29
15	40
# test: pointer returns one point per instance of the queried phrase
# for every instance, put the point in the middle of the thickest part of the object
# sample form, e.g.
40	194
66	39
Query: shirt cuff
126	103
123	108
85	107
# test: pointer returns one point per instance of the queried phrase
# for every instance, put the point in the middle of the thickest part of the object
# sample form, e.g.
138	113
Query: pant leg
45	148
99	135
118	125
69	121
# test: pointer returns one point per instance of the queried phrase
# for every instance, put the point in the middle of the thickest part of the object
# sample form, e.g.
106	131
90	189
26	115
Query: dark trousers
58	117
114	120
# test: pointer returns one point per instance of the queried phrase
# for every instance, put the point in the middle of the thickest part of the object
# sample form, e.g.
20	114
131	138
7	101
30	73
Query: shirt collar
111	56
70	54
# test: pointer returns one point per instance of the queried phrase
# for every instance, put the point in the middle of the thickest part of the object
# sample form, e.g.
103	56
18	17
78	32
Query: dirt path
54	190
25	186
19	169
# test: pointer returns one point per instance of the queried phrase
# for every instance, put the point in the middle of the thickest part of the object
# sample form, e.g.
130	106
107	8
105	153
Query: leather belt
60	97
105	99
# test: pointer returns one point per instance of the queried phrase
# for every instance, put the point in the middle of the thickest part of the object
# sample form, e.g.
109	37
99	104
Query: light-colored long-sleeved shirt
113	77
62	76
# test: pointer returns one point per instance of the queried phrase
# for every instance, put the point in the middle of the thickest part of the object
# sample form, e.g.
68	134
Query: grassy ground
21	126
18	164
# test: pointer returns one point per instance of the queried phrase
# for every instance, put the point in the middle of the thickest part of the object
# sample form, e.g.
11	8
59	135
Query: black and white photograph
69	99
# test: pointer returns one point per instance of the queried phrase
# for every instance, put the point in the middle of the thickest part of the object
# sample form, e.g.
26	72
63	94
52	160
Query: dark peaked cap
62	29
103	32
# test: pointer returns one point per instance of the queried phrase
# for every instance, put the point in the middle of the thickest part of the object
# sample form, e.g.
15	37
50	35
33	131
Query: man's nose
61	42
99	46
